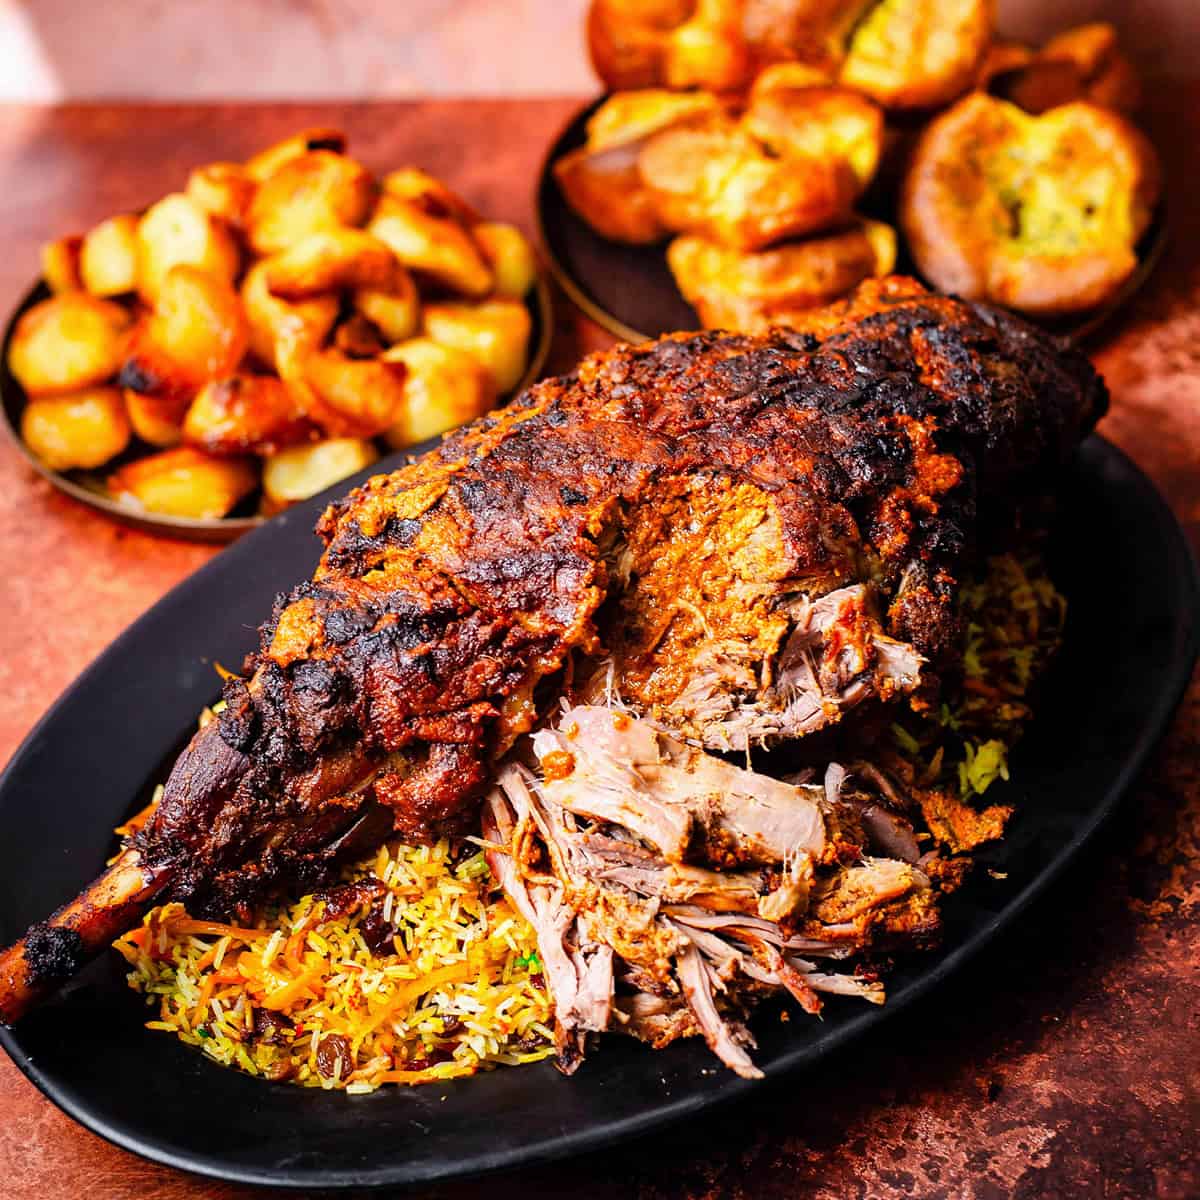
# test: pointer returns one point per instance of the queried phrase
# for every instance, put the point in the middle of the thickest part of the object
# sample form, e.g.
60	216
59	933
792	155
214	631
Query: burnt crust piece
53	954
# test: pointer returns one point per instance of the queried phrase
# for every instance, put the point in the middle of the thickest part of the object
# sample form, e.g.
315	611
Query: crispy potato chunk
267	314
245	414
396	313
266	162
178	232
68	343
196	332
60	264
81	429
346	397
509	254
1039	213
918	53
411	183
185	482
302	471
494	333
108	259
443	388
721	182
313	193
329	261
431	244
730	289
223	189
600	180
156	419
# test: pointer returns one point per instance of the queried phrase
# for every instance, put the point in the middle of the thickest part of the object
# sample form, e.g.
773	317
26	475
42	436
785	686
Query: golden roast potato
412	183
396	313
443	387
80	429
60	264
299	472
196	331
184	482
495	333
329	261
265	163
223	189
731	289
68	343
178	232
108	258
1038	213
267	314
434	245
345	397
356	337
509	254
245	414
313	193
156	419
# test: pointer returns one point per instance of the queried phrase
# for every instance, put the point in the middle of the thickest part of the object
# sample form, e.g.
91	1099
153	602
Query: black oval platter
1118	554
629	290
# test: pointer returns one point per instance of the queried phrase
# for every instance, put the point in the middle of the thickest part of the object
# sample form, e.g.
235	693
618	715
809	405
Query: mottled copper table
1067	1064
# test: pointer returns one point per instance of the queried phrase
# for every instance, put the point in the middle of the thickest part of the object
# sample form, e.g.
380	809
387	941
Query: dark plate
1131	641
629	290
89	486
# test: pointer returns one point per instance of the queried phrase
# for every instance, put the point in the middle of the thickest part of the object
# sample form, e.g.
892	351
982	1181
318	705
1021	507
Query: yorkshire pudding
1038	213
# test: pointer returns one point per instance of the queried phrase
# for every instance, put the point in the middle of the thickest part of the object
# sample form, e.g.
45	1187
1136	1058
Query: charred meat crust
450	587
53	954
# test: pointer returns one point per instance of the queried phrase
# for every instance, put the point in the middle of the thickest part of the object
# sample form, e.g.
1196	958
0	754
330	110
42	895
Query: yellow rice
464	993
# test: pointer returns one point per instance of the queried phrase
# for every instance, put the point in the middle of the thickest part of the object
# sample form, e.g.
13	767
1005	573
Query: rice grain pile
430	975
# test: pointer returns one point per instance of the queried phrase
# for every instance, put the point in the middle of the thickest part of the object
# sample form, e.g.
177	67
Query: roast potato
918	53
223	189
1038	213
730	289
108	258
196	332
312	193
80	429
600	180
411	183
60	264
266	314
266	162
345	397
68	343
509	254
495	333
435	246
356	337
301	471
443	387
178	232
396	313
184	482
245	414
330	260
156	419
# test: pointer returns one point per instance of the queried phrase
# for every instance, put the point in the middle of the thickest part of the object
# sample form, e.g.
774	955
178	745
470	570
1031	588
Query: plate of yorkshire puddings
274	327
750	161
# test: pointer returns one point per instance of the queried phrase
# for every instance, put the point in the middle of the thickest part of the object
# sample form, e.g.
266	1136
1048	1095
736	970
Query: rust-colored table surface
1066	1064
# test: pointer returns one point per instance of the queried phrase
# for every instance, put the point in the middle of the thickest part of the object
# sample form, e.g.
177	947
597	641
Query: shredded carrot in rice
299	995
